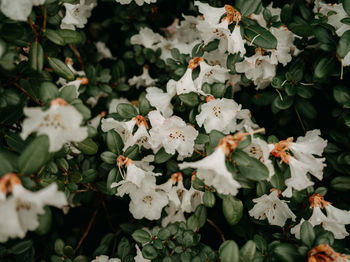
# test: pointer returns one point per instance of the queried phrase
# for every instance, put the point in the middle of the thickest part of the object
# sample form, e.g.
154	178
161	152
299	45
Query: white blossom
335	13
103	51
222	115
303	160
259	68
162	100
104	258
77	14
18	10
172	133
61	123
142	80
212	170
236	42
211	74
283	52
271	207
138	2
19	212
260	150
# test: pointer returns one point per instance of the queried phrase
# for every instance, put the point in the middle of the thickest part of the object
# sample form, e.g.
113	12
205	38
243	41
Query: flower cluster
234	116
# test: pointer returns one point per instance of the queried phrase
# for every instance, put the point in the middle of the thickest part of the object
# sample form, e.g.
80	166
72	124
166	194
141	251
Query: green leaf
8	162
247	7
59	245
201	214
324	67
70	36
149	252
286	252
54	37
36	57
88	147
68	251
164	234
284	104
261	37
48	91
341	183
114	142
229	251
161	156
124	248
209	199
323	35
307	233
346	6
60	68
305	108
144	105
21	247
341	94
68	93
218	90
45	221
250	167
141	236
247	252
232	209
126	111
190	99
344	45
34	155
192	223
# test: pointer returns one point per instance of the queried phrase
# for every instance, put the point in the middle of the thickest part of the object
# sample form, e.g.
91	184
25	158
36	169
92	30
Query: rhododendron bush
158	130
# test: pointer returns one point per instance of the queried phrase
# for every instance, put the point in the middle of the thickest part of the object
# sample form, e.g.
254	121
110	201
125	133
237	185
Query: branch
87	230
211	222
77	54
37	101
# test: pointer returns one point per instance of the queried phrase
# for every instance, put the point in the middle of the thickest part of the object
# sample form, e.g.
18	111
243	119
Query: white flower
302	161
285	45
335	221
212	170
147	203
160	100
172	133
139	257
104	258
187	32
216	57
186	84
271	207
144	163
77	14
259	149
222	115
103	51
211	14
19	212
334	19
138	2
124	129
236	42
259	68
211	74
319	218
173	215
18	10
61	123
147	38
142	80
95	122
